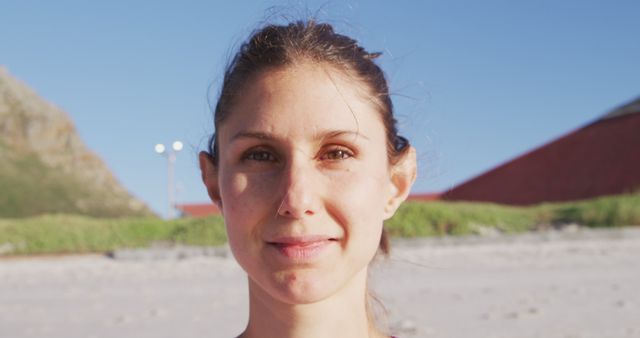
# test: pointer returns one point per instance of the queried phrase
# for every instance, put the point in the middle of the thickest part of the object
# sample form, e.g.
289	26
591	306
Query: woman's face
304	181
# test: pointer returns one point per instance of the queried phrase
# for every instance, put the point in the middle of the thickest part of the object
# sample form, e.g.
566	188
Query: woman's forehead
304	98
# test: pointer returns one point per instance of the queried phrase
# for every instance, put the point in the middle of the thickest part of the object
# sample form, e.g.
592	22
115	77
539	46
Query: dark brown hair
278	46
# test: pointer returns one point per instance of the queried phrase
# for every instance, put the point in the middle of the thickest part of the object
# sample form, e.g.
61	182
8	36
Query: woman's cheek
244	206
357	198
359	186
245	197
357	202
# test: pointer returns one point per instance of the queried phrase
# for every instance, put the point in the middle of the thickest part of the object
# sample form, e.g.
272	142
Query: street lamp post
170	155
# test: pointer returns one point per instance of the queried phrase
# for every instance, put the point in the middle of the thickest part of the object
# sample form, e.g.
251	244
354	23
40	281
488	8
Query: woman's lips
302	248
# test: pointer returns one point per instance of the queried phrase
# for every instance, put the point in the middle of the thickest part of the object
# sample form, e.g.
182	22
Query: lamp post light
170	155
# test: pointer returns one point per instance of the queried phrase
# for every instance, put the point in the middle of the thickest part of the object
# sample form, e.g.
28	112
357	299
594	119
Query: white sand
568	287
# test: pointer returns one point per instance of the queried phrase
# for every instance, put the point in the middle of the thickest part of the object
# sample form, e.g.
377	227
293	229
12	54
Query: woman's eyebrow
338	133
322	135
253	134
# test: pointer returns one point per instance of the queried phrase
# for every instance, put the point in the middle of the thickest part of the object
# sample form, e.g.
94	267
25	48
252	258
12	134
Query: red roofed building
198	210
601	158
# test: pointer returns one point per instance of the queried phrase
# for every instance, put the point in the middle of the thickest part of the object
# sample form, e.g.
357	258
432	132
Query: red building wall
602	158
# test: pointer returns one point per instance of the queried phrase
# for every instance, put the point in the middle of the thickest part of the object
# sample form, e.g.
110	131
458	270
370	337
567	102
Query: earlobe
403	174
209	172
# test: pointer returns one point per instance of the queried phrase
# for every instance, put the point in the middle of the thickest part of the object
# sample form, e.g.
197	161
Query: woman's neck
344	314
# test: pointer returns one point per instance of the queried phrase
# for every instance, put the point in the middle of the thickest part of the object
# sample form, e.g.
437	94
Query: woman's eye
259	156
337	154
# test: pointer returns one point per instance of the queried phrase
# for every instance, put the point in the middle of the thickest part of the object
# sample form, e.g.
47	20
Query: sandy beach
565	284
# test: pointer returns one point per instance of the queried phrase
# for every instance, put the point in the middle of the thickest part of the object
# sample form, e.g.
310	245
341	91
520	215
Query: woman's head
306	163
274	47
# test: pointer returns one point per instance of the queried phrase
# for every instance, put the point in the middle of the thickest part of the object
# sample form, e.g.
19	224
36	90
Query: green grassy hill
45	167
29	187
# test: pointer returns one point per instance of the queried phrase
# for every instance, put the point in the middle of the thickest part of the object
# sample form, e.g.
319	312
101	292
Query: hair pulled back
277	46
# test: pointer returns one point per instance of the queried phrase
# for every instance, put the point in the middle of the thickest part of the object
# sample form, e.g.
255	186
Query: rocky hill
44	165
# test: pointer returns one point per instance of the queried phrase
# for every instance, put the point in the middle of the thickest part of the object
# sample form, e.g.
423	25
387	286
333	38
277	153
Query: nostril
308	212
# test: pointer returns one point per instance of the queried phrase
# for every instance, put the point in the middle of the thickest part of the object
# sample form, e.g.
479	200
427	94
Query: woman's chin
300	287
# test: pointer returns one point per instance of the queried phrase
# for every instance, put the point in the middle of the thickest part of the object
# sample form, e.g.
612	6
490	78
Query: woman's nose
299	197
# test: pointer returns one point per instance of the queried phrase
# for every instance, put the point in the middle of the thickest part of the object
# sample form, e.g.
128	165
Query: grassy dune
416	219
80	234
53	234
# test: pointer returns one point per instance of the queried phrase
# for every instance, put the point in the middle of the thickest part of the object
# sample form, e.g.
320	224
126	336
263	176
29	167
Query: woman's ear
403	174
209	171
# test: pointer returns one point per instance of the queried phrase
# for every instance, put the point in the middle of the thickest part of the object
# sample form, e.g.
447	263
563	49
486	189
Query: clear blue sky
477	82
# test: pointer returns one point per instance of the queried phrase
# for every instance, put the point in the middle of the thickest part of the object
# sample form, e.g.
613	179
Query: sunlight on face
304	179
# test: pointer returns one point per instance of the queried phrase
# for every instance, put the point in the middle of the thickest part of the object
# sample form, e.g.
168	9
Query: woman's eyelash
337	154
259	155
265	155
